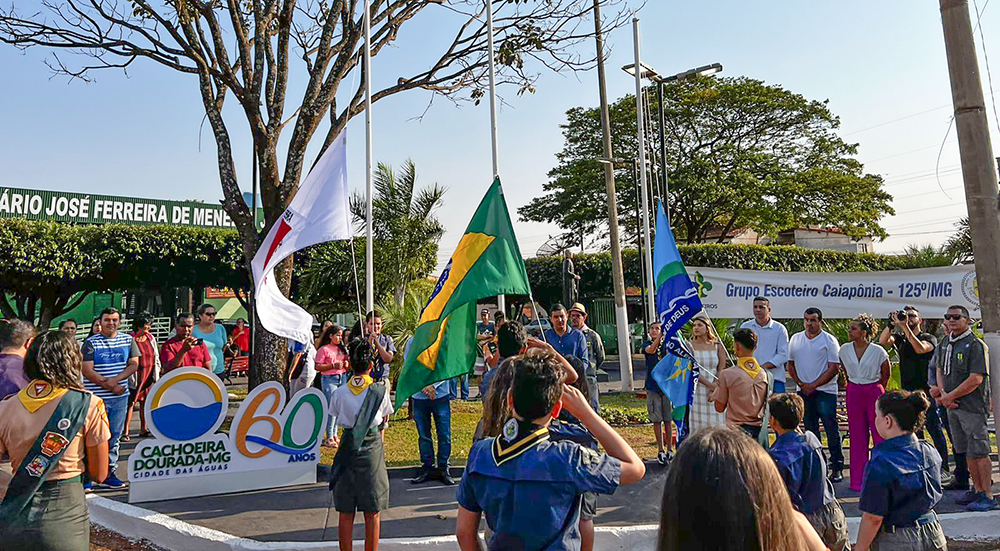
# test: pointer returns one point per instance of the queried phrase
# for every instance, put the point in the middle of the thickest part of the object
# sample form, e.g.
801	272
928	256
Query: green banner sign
106	209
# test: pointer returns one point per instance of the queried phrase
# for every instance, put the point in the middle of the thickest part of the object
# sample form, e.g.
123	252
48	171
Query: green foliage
49	264
400	320
404	224
959	246
928	255
545	273
741	154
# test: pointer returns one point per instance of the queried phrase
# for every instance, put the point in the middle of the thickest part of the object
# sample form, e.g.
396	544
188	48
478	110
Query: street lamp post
704	71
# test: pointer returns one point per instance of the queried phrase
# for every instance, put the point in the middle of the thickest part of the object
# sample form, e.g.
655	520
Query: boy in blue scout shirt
799	456
528	486
902	481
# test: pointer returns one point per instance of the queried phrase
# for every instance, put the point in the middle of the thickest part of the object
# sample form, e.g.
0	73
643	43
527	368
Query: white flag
318	213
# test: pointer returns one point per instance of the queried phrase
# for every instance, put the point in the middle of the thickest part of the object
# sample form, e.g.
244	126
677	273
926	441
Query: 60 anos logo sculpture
190	456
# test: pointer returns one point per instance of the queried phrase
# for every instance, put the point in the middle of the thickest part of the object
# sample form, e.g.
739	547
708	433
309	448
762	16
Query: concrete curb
167	532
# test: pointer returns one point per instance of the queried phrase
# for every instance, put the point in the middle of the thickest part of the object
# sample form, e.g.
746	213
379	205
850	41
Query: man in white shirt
772	342
813	363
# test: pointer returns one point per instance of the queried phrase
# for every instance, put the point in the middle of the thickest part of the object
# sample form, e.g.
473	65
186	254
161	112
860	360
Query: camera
198	342
901	315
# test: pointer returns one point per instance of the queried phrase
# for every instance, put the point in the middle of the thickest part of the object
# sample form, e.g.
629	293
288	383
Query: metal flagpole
501	300
640	122
370	175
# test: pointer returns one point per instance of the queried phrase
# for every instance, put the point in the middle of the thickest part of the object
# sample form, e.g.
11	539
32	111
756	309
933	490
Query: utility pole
617	275
977	172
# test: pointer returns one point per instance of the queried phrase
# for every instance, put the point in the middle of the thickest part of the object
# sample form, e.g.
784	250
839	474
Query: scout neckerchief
61	428
946	369
516	438
359	383
37	394
355	436
750	365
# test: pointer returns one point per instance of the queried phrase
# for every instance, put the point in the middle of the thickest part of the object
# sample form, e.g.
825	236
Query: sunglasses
209	313
953	317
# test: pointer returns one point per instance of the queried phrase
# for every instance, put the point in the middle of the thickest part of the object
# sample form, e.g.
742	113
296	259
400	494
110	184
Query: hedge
545	273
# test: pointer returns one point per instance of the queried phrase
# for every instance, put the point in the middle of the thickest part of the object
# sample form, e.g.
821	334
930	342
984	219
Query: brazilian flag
486	263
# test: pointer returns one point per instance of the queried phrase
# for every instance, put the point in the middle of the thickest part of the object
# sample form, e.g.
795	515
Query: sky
880	64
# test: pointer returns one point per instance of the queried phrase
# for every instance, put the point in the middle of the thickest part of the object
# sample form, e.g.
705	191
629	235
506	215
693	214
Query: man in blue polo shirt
528	486
109	358
567	340
802	466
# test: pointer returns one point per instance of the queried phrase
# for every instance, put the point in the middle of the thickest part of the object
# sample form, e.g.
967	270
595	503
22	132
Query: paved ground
301	513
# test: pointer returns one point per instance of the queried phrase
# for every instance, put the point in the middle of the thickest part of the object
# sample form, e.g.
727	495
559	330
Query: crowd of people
755	454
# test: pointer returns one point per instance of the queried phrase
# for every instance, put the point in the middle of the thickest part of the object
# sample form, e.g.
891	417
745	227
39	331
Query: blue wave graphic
274	445
183	422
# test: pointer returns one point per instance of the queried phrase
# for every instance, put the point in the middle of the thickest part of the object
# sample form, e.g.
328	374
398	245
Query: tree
324	295
741	154
403	222
247	50
51	267
959	245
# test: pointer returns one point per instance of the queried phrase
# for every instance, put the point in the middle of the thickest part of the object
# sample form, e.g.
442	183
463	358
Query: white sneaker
662	458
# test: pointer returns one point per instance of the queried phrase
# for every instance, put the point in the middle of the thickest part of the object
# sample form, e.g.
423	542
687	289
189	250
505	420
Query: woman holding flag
711	356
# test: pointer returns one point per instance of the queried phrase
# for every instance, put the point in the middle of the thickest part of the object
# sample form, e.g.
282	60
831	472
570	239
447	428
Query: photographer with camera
915	348
184	349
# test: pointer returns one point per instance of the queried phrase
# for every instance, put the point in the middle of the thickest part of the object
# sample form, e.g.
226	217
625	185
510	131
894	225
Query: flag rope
357	288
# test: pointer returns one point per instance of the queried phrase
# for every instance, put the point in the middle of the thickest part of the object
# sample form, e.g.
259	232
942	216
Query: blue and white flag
676	303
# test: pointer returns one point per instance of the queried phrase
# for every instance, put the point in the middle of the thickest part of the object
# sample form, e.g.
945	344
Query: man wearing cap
595	350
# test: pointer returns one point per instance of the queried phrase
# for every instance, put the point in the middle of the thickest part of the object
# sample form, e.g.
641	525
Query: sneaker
969	497
956	484
946	478
112	481
984	504
670	456
662	457
88	486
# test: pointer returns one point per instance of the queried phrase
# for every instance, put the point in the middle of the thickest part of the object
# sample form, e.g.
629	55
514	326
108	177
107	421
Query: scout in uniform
902	481
45	428
358	478
800	460
528	486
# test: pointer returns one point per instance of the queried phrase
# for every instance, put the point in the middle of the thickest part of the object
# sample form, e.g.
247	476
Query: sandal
145	434
126	438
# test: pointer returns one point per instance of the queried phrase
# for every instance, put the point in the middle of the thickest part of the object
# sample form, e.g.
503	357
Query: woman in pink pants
867	367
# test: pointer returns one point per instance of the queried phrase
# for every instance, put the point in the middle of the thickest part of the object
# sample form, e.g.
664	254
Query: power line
986	57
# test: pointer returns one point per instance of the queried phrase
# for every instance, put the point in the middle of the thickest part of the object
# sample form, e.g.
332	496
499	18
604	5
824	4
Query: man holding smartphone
183	349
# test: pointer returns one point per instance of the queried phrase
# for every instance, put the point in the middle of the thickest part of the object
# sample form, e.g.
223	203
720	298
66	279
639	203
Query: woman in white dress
711	356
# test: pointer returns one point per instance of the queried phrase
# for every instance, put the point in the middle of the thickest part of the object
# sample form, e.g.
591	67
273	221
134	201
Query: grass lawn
401	435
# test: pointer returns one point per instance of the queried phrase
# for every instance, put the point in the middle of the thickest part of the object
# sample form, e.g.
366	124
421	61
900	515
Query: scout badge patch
37	394
55	442
37	466
359	383
516	438
749	365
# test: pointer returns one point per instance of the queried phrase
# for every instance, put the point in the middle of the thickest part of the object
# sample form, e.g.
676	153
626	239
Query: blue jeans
465	386
822	406
331	383
779	387
440	410
117	409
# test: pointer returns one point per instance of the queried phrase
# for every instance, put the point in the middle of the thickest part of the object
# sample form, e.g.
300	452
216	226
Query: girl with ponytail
902	480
